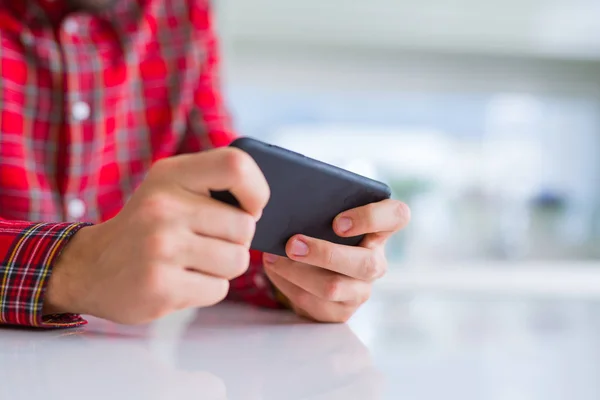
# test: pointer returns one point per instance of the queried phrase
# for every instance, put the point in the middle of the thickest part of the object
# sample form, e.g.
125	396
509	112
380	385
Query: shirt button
80	111
27	39
259	281
76	208
71	27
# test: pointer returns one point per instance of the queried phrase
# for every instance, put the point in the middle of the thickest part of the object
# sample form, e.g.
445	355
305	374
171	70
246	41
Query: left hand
328	282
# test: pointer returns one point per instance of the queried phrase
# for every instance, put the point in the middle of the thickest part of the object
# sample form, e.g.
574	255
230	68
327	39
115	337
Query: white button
259	281
76	208
71	27
27	39
81	111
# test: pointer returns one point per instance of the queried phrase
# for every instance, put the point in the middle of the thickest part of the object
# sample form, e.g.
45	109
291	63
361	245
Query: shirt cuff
29	253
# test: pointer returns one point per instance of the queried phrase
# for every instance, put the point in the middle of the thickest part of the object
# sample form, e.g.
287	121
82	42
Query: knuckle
212	294
160	246
220	290
371	266
241	261
264	193
158	206
246	227
333	288
237	162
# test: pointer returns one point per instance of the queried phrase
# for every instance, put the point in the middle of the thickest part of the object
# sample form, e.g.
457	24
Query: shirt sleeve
254	286
209	125
28	252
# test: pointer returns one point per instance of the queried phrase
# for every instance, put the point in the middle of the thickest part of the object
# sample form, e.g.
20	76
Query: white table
419	346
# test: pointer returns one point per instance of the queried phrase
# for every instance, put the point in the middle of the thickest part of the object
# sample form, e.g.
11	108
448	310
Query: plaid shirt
88	101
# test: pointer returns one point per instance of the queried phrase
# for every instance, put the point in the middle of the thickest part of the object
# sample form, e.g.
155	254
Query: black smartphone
306	196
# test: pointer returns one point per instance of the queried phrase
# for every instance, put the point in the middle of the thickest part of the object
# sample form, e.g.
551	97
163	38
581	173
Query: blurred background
484	116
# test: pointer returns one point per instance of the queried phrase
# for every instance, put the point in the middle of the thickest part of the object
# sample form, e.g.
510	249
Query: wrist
65	291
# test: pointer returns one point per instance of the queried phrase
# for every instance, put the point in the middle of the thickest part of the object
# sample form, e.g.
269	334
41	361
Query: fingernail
299	248
271	258
343	224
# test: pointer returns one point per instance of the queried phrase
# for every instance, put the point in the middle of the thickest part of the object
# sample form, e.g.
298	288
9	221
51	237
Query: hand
328	282
171	247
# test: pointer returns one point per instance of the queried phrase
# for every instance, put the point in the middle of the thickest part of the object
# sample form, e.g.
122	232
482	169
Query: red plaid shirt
88	101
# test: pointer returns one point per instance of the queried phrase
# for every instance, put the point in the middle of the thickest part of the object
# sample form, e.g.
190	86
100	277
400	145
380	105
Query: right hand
171	247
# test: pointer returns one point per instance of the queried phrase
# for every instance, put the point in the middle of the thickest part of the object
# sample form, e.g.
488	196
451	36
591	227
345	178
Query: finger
212	218
219	170
324	284
214	257
375	241
193	289
355	262
386	216
205	216
309	305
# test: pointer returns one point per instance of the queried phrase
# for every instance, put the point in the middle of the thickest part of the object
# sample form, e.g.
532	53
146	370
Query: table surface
422	346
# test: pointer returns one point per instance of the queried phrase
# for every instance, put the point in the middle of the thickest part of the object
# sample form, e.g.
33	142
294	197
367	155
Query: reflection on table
225	352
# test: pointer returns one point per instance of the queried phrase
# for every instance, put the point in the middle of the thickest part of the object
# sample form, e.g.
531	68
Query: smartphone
306	196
